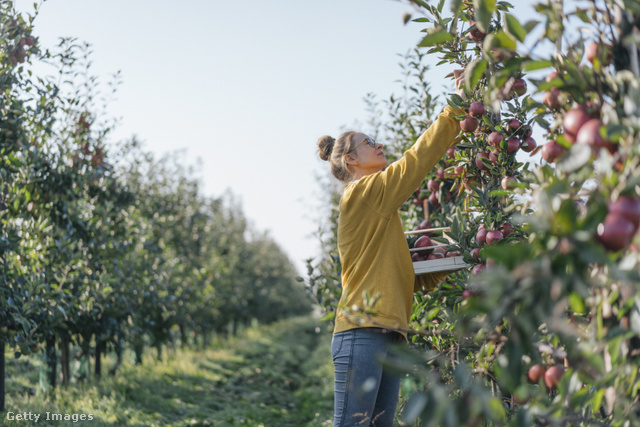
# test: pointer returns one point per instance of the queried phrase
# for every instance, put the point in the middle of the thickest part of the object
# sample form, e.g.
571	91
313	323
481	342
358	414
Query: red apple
433	199
615	232
553	375
494	236
494	156
628	207
528	144
423	242
467	293
506	228
535	373
475	33
440	250
551	151
451	152
433	185
573	121
513	145
417	256
507	182
519	87
475	253
552	75
494	139
440	174
435	255
514	125
481	236
469	124
596	50
589	133
458	170
476	109
552	98
451	254
479	163
477	269
423	226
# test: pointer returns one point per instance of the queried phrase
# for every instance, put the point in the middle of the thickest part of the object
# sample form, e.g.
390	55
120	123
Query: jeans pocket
336	344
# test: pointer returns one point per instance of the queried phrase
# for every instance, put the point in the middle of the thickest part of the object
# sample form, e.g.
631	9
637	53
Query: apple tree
541	197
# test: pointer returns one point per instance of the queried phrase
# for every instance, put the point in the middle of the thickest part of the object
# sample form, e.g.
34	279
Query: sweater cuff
450	111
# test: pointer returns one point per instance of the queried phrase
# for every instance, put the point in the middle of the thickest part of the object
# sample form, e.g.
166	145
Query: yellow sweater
373	249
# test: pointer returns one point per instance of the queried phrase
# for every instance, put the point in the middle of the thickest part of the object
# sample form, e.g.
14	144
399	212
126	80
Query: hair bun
325	147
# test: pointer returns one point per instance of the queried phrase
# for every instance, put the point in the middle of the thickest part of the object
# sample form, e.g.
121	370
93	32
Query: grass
275	375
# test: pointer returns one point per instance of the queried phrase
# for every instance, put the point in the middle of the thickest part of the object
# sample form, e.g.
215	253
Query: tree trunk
2	375
159	350
64	360
118	350
184	341
97	368
52	361
137	349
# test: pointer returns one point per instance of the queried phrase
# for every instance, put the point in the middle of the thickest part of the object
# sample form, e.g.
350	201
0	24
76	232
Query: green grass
275	375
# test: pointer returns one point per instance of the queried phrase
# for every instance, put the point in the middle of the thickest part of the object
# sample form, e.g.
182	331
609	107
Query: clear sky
245	86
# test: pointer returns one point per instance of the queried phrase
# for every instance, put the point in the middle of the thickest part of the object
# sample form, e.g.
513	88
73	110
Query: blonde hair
333	151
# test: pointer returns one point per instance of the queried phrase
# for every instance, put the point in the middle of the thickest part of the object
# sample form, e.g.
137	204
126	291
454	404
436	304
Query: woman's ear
350	160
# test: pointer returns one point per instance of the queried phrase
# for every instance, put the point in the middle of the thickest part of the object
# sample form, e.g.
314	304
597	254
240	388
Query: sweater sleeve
429	281
401	178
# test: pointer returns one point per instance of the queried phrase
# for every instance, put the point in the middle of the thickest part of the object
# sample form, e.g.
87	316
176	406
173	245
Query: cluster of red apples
430	249
582	123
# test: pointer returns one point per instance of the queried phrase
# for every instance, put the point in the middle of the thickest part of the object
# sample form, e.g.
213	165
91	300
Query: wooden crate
435	265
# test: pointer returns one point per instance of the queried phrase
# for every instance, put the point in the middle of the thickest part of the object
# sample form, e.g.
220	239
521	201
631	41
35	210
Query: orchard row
102	245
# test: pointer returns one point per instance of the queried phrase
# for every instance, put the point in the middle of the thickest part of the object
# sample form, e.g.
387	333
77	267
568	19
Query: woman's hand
459	76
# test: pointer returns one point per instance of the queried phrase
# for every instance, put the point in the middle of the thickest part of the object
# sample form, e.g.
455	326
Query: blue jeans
365	393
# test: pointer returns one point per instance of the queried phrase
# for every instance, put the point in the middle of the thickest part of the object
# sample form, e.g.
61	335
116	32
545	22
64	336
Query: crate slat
442	264
427	230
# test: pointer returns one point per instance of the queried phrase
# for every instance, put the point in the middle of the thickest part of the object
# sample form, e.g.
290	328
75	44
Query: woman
376	260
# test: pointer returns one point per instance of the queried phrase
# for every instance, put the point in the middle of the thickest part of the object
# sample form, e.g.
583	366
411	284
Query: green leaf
475	71
597	400
329	316
582	15
414	407
537	64
484	9
456	101
514	28
576	303
436	38
495	409
530	25
455	6
502	39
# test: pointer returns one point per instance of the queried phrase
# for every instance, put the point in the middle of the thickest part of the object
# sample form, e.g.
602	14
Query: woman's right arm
401	178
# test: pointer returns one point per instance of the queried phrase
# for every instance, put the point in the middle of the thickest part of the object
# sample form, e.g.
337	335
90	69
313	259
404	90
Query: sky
246	88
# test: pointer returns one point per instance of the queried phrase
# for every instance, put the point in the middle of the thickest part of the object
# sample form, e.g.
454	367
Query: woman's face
367	156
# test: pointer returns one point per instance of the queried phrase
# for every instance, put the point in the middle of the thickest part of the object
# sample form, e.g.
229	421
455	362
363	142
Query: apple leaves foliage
549	292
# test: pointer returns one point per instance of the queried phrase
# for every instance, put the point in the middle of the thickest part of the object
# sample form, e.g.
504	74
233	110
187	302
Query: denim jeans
365	393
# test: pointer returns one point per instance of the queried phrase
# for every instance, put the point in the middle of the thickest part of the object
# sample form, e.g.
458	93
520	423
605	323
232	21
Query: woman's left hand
459	76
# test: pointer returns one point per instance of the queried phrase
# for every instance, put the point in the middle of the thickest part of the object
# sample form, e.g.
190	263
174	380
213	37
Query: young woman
375	258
